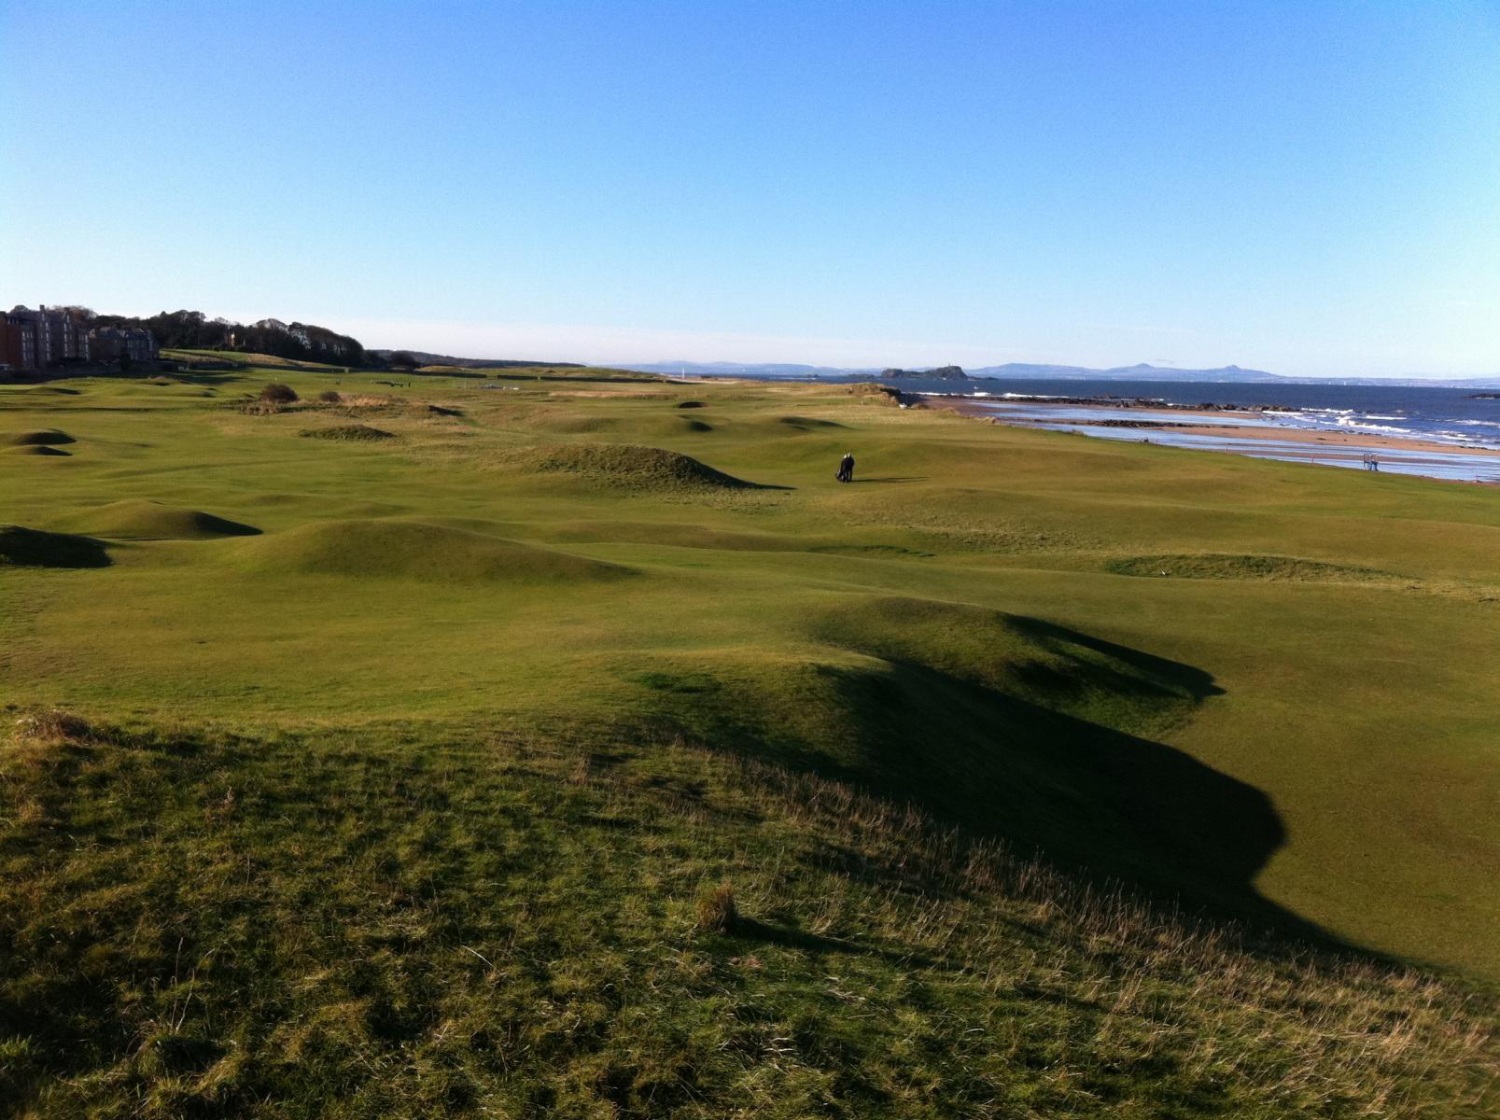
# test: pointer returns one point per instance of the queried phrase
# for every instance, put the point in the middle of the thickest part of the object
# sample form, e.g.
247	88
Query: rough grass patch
418	551
368	400
1242	567
348	433
278	393
390	924
50	726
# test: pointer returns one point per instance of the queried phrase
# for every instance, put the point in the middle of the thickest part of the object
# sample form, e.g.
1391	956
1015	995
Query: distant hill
743	369
1143	371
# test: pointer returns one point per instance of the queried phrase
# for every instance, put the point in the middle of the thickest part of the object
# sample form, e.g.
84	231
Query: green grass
389	923
245	360
137	519
418	755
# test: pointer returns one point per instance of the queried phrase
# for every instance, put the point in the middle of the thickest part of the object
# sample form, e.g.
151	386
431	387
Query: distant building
110	344
42	339
45	339
17	344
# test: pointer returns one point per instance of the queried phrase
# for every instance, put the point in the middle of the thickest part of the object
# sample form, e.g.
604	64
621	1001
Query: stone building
42	339
110	344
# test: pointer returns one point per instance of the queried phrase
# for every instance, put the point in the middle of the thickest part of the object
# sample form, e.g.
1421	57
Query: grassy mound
1011	726
38	449
1049	666
145	520
674	535
33	548
417	550
348	432
1215	566
627	467
47	437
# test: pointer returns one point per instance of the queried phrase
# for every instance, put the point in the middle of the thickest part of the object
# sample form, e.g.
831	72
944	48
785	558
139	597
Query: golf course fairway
571	742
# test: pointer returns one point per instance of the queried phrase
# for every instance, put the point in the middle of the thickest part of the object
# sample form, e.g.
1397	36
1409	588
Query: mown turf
550	577
414	550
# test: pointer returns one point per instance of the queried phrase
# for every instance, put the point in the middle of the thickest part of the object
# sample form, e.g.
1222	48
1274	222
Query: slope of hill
1142	371
384	357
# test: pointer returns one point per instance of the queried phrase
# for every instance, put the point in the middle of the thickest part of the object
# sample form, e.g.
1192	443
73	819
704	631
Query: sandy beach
1239	432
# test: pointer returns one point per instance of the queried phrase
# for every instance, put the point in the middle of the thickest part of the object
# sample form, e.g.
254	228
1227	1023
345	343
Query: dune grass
414	758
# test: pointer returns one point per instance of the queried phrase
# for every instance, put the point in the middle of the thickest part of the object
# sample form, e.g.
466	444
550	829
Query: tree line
193	330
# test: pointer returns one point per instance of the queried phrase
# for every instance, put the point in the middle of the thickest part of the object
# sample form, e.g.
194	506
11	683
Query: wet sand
1241	432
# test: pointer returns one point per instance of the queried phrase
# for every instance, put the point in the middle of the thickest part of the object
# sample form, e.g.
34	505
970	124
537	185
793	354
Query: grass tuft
717	912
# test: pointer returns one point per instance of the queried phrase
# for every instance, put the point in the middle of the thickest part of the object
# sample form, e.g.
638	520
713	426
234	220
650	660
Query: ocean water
1454	417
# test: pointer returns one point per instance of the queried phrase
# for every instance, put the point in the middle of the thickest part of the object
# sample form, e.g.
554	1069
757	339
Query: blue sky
1304	187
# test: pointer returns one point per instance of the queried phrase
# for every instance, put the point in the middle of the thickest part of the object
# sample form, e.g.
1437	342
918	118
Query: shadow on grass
891	478
764	933
1030	758
1084	795
34	548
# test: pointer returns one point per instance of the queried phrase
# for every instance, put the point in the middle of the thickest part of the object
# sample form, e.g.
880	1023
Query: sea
1456	418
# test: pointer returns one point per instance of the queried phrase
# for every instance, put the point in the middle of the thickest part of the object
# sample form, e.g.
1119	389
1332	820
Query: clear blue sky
1305	187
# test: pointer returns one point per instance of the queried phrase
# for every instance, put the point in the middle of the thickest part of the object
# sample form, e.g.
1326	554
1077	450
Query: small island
942	373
